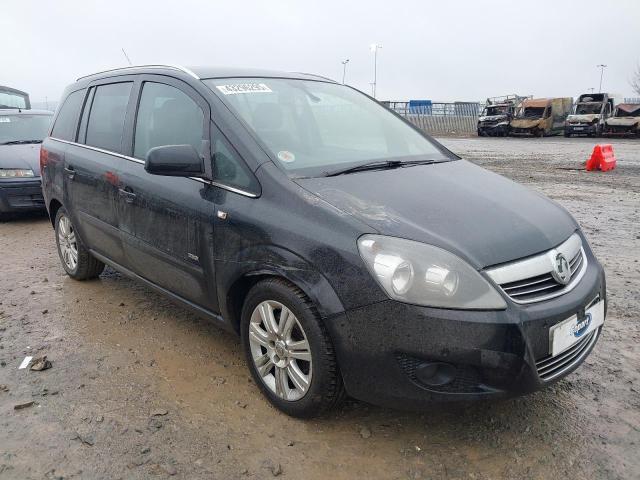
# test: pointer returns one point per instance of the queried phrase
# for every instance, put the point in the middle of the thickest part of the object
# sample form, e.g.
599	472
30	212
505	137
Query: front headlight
421	274
16	173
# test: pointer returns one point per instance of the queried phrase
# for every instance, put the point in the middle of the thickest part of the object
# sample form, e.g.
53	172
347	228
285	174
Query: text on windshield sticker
244	88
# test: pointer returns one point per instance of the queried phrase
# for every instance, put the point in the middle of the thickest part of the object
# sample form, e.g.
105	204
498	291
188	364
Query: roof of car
24	111
203	72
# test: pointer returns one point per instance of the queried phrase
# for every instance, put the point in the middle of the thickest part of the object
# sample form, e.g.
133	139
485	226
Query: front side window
314	127
166	116
229	168
105	126
66	122
23	128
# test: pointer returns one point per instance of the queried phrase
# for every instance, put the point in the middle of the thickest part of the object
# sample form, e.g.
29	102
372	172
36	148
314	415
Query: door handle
70	172
127	194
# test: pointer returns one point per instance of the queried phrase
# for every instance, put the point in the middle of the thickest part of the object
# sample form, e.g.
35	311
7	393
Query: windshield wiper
20	142
383	165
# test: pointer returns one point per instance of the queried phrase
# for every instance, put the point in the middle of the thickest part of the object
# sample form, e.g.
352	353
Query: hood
585	118
21	156
623	121
465	209
492	118
526	122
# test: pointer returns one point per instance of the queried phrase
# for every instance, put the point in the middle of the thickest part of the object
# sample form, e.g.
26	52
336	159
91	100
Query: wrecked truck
497	114
589	114
624	122
541	117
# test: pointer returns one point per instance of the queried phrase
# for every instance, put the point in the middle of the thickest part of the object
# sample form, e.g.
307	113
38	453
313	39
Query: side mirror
174	161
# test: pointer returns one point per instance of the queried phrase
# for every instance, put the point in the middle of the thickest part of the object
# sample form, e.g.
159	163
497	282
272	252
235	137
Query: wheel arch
54	206
234	288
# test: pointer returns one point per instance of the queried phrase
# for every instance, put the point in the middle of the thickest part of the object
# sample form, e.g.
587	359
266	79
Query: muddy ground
140	388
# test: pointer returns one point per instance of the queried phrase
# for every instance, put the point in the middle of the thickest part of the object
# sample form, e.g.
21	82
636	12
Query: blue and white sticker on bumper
573	329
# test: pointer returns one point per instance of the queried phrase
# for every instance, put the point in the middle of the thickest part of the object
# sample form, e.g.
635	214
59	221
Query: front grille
531	279
532	288
552	367
466	380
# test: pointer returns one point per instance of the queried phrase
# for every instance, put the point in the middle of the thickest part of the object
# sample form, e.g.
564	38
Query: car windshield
531	112
588	108
490	111
628	111
313	128
21	128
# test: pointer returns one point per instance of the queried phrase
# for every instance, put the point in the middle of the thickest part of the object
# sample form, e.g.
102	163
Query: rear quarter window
67	120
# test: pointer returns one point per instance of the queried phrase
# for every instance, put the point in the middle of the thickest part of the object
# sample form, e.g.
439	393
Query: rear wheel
289	351
75	257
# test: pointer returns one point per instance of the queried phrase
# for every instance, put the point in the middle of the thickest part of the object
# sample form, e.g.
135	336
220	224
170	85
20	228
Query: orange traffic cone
602	158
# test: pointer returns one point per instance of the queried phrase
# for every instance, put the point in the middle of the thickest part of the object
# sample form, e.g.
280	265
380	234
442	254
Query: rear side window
106	118
166	116
67	120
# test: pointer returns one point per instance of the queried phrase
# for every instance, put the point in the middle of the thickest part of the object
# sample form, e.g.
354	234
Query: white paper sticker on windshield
244	88
5	120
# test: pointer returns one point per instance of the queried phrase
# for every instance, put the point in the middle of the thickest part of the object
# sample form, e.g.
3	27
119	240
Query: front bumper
499	129
621	131
581	129
382	348
520	131
20	195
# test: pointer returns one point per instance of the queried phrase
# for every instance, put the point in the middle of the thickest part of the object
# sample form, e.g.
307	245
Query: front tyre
75	257
289	351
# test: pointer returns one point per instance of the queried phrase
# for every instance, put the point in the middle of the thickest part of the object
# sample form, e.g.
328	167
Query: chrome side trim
96	149
225	187
141	162
133	67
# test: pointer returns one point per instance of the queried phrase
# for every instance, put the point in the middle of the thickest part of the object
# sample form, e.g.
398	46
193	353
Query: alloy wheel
67	243
280	350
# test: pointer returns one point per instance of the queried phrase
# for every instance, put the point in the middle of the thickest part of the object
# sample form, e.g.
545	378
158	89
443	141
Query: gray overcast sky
452	50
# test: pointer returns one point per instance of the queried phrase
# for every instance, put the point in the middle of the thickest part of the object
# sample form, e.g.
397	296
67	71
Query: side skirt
203	312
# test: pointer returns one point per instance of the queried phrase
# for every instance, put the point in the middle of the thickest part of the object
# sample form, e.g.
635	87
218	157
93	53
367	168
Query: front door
166	223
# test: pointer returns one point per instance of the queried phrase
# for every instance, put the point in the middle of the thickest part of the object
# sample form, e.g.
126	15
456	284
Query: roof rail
174	67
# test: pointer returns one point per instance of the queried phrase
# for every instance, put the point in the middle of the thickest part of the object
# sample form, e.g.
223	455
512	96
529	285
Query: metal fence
458	118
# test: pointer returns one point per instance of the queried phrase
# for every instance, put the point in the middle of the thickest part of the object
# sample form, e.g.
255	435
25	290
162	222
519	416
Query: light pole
601	67
592	89
374	48
344	69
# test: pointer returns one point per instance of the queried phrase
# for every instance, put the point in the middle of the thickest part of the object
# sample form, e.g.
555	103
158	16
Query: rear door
92	163
167	222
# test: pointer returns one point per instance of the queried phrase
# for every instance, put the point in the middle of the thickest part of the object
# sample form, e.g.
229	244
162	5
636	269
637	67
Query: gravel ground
140	388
